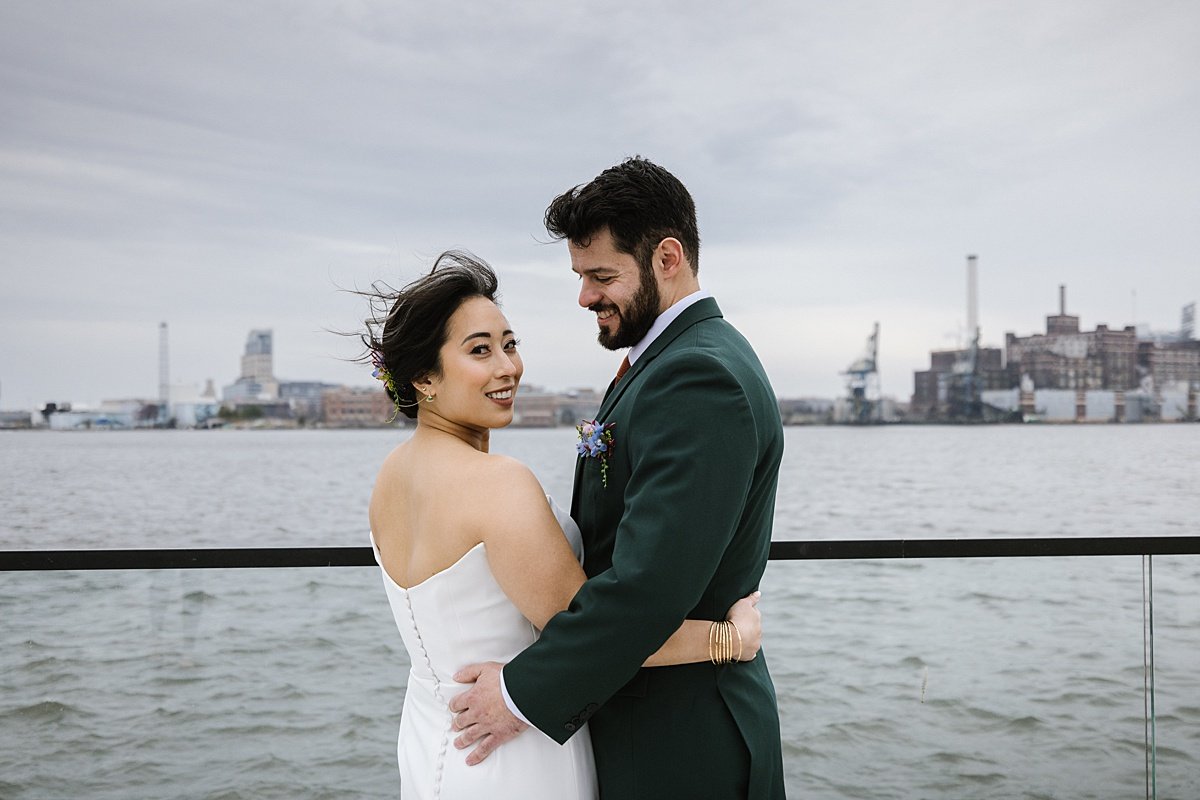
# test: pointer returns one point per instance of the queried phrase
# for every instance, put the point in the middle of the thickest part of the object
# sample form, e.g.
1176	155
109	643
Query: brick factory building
1066	358
359	407
1067	374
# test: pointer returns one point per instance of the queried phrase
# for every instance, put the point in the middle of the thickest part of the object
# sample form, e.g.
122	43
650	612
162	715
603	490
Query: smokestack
972	300
164	380
1062	299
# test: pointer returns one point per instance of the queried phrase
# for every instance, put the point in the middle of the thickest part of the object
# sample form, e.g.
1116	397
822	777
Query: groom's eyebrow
593	270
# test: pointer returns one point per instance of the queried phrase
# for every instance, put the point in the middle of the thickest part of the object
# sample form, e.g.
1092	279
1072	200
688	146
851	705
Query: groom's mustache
598	307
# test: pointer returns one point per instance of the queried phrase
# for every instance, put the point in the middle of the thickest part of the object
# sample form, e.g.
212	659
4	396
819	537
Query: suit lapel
701	310
698	311
576	485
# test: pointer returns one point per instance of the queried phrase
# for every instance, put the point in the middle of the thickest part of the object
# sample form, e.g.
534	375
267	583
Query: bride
475	557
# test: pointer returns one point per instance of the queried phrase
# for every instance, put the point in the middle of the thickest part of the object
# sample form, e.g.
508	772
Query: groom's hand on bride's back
480	712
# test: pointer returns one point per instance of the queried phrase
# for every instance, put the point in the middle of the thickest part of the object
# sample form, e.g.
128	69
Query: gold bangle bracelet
716	642
721	634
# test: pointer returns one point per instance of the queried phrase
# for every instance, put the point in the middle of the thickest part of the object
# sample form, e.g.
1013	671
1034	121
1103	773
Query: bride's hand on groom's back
748	619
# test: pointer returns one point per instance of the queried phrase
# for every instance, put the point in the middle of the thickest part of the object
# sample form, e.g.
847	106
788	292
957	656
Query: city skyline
225	168
223	387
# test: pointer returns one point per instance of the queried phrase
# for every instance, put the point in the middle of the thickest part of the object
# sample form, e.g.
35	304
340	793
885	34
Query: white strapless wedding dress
456	617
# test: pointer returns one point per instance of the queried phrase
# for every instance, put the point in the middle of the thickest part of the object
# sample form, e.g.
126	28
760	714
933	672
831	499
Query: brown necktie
621	370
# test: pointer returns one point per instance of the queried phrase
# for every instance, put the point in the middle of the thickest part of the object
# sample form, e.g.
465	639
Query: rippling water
985	678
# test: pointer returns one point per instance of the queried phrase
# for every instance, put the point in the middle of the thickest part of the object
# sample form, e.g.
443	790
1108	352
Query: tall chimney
972	300
164	380
1062	299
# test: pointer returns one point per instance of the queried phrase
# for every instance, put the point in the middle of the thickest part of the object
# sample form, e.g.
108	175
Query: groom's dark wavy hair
640	204
408	327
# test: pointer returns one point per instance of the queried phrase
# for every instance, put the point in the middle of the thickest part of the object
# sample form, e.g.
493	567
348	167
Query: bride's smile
479	370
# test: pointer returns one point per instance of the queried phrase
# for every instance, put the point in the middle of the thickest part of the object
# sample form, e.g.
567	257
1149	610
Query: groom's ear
668	257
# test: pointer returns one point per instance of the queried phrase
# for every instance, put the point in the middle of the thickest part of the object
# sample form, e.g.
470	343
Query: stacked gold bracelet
720	642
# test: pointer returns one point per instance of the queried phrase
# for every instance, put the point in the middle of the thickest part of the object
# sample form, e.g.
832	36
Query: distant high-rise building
257	381
258	361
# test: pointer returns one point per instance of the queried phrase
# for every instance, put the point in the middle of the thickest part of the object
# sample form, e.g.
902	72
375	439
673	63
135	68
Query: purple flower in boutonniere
596	441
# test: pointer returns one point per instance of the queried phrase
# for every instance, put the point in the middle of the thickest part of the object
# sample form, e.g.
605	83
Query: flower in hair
596	441
381	373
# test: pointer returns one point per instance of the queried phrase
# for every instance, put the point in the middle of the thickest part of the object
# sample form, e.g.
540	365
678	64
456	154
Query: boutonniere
596	441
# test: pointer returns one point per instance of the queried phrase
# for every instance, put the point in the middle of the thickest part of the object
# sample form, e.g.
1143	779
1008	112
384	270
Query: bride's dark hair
407	328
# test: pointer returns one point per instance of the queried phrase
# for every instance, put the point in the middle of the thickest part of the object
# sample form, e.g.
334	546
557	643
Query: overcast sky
224	166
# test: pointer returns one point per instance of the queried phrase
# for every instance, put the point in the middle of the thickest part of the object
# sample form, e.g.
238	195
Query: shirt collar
664	320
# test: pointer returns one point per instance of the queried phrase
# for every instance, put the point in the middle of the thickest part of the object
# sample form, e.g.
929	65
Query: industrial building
1064	357
539	408
935	389
1065	374
359	407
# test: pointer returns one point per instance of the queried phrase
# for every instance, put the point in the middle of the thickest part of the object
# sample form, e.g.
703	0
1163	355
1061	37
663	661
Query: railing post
1150	728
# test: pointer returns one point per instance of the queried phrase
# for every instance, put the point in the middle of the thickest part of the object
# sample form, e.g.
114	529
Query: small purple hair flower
381	373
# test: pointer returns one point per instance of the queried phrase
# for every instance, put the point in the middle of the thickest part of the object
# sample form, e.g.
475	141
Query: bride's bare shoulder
394	465
501	485
481	485
507	474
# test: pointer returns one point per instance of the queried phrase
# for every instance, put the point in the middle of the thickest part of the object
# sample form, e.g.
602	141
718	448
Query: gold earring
428	398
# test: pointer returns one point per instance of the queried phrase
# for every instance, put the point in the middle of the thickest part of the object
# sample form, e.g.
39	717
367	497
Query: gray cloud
226	166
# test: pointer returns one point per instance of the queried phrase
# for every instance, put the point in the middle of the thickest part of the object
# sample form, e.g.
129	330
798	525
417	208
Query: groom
676	520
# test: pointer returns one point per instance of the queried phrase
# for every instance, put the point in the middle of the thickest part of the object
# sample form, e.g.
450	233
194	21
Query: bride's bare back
436	498
421	508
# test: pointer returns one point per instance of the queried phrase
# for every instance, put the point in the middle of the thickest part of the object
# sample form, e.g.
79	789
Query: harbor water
943	678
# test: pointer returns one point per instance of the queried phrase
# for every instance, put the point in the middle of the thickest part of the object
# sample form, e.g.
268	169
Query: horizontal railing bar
1056	547
190	558
811	550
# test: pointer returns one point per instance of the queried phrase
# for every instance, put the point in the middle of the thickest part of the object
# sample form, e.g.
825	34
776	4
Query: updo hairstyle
409	326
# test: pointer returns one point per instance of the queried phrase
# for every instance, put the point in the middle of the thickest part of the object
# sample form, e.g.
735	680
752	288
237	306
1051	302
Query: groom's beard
636	320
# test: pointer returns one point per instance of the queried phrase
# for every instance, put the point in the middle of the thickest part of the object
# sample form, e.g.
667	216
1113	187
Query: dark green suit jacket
682	530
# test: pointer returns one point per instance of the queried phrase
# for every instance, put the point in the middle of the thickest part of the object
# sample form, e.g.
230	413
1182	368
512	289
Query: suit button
570	726
591	708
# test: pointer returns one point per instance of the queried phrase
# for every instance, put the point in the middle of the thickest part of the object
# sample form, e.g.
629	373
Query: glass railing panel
198	683
1177	675
981	678
933	678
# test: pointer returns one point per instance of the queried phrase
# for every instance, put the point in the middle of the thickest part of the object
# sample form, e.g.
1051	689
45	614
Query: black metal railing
814	550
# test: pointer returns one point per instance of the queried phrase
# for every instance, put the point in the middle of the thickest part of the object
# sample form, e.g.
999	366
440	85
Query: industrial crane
862	383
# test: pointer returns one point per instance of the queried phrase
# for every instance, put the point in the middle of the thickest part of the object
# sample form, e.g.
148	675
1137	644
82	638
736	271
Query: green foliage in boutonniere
596	441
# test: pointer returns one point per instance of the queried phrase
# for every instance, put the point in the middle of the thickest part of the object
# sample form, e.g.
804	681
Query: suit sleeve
692	446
